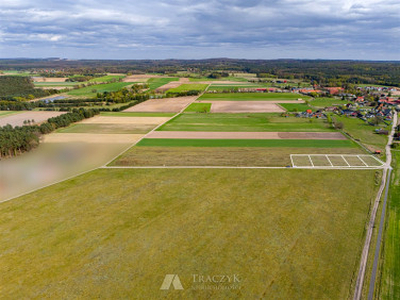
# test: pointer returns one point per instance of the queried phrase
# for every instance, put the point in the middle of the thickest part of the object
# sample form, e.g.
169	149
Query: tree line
20	139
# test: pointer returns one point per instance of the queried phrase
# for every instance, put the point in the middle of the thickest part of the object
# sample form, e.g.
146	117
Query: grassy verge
246	143
389	285
285	233
244	122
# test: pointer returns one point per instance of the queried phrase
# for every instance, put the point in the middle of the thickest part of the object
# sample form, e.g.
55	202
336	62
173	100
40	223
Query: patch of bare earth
49	79
125	120
37	116
246	135
91	138
162	105
244	107
139	78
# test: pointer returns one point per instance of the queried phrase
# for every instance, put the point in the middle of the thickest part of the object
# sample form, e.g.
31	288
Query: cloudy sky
266	29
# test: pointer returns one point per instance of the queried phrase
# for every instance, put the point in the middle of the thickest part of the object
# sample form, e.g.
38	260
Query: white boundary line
238	167
362	161
309	158
327	157
332	166
345	160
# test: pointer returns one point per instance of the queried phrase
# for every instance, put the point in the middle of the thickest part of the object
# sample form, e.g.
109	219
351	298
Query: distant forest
323	72
17	86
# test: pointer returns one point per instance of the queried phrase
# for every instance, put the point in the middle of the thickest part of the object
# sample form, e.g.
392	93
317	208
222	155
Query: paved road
367	244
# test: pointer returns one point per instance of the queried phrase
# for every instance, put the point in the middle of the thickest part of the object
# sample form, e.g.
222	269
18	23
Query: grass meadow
244	122
116	234
91	91
155	83
188	87
199	107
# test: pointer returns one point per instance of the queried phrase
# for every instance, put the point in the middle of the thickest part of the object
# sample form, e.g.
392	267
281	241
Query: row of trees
20	139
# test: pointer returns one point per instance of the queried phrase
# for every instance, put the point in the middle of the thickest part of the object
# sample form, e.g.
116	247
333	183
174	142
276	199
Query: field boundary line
327	157
239	167
362	160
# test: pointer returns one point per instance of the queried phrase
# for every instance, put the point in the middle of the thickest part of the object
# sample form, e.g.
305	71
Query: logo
171	279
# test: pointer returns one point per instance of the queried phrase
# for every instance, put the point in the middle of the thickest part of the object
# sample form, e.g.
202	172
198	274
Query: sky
189	29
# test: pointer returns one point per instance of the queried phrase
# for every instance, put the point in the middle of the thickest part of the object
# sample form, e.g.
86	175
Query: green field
117	233
155	83
50	84
229	78
136	114
252	96
107	128
199	107
107	78
188	87
324	102
98	88
244	122
363	132
4	113
246	143
295	107
219	156
389	285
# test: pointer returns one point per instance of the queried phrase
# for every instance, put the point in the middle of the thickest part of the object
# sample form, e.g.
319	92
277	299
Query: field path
371	223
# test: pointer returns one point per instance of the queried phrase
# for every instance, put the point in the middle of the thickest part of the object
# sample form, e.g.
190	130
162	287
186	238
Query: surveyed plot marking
335	165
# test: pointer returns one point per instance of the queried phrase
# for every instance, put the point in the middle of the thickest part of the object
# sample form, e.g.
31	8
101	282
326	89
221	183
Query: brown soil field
125	120
49	79
244	107
215	156
54	87
37	116
246	135
162	105
91	138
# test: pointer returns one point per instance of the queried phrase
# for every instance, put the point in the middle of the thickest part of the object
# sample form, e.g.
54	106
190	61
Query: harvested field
246	135
244	107
108	128
162	105
49	79
125	120
218	156
91	138
37	116
139	78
